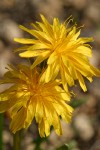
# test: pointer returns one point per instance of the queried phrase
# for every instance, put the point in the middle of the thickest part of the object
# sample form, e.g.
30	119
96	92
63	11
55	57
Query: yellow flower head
65	51
29	98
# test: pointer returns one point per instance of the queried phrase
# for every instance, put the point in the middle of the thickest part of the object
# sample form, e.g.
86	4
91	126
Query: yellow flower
29	98
65	51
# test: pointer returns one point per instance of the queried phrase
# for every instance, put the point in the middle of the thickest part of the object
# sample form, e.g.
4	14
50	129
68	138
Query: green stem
17	140
1	129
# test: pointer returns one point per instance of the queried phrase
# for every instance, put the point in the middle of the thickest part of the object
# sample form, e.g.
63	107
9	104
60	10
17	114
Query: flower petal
17	122
25	41
40	58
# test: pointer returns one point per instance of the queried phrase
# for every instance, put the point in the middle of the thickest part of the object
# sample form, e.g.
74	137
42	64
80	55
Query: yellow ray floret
66	53
28	98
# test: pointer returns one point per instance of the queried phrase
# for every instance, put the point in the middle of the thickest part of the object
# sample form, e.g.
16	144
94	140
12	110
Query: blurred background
83	133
